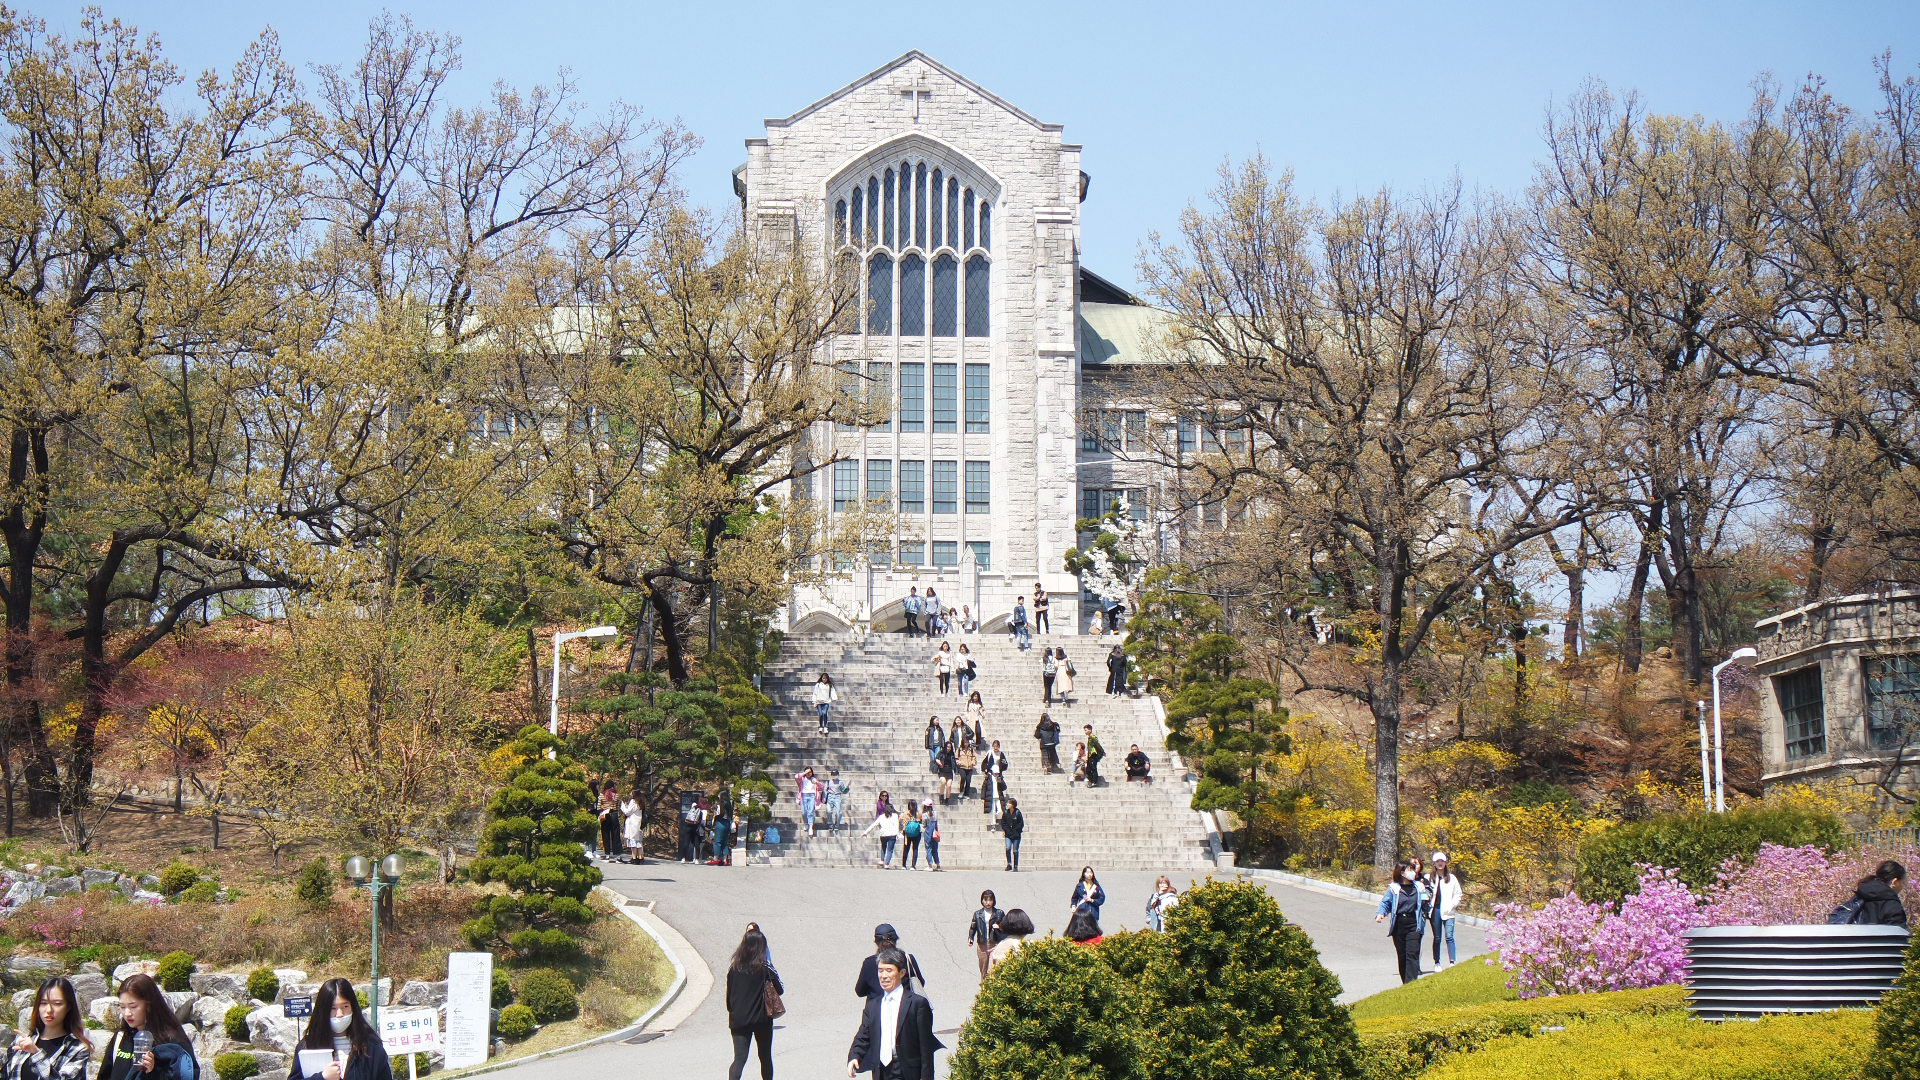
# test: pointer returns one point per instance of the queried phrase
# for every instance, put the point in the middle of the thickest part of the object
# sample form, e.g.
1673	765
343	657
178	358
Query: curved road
819	922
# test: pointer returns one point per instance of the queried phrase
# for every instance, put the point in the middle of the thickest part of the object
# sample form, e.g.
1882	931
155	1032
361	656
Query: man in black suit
895	1040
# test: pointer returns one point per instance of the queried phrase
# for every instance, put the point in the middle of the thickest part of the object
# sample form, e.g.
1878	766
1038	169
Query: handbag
770	994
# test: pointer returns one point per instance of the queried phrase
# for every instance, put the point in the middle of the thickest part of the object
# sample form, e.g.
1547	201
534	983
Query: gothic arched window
896	214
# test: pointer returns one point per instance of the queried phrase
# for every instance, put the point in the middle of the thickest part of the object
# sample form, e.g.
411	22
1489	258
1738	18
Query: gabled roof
885	69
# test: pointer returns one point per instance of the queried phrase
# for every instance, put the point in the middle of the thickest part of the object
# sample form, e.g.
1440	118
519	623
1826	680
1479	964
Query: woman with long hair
338	1026
1163	900
55	1045
1084	928
748	977
144	1011
1088	896
1404	911
824	695
910	833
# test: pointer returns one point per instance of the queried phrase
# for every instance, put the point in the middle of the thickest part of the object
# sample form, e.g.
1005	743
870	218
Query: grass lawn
1470	982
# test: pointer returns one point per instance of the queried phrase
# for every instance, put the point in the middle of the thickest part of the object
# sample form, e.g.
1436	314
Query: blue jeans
807	803
887	844
1443	928
1013	852
821	711
966	681
933	852
1022	636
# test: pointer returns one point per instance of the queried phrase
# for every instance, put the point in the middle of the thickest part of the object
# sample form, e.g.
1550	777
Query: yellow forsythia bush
1674	1046
1516	852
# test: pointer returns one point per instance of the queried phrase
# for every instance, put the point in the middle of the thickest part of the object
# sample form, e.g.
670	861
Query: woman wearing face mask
164	1053
338	1025
56	1046
1404	911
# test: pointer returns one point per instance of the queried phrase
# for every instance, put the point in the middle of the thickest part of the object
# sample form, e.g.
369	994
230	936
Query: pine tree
1896	1054
533	843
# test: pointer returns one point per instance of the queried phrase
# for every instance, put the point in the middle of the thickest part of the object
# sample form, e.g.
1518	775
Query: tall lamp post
364	874
553	711
1719	743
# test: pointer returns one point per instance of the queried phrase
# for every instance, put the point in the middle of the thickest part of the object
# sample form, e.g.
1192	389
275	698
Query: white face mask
341	1023
1406	875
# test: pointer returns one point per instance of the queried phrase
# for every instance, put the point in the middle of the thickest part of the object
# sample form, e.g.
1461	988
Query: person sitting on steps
1137	765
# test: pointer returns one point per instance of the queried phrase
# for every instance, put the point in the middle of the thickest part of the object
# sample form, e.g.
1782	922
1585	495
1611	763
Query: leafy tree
1896	1026
1052	1011
666	739
533	843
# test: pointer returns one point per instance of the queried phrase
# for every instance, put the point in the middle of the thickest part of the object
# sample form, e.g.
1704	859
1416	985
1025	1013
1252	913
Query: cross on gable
914	91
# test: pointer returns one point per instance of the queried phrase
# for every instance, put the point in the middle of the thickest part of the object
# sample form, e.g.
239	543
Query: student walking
1047	734
1164	897
1049	670
1040	605
836	794
1116	671
1095	754
824	695
1402	908
943	667
723	828
976	714
1447	890
933	738
635	831
337	1024
1876	899
911	608
983	929
895	1040
1088	894
910	838
1017	622
993	782
609	822
750	977
943	767
930	607
807	793
966	669
885	937
965	757
930	833
1013	824
1063	682
887	820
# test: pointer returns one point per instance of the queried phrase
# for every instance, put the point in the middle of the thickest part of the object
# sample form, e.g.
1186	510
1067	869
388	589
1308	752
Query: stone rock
270	1060
52	871
277	1074
23	999
366	990
89	986
210	1013
148	881
147	896
30	971
297	988
218	984
269	1029
127	886
422	993
91	967
105	1012
289	975
24	892
63	886
135	967
91	877
181	1001
13	875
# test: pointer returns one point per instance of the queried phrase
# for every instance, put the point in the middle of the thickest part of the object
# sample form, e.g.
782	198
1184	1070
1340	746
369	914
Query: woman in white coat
635	828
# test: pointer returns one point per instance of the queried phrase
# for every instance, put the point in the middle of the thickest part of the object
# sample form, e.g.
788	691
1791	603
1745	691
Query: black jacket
1012	824
1048	732
913	1041
868	985
373	1065
1879	905
171	1061
984	927
747	996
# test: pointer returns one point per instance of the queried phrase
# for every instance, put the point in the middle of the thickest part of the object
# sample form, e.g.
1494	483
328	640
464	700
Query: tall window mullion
880	294
979	487
913	487
880	484
1803	708
913	397
979	399
945	408
846	485
913	295
946	487
880	394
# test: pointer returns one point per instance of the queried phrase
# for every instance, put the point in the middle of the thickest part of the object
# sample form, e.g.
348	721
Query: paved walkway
819	922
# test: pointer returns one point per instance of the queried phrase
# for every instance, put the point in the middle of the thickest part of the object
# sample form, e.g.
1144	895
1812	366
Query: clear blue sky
1351	96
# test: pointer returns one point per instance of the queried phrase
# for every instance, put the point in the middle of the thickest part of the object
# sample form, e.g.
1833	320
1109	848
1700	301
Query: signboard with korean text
469	1009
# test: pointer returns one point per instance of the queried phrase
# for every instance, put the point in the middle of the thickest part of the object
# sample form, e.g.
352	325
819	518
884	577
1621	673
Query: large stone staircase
887	690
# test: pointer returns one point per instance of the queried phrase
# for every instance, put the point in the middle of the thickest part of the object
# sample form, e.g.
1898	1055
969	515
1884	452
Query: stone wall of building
1838	636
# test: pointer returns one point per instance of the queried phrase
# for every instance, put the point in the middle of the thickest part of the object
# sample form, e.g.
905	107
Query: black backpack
1847	914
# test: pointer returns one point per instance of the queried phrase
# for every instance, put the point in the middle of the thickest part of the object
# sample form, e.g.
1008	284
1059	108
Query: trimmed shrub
1896	1028
517	1022
422	1064
236	1065
236	1022
1051	1010
204	891
1404	1045
314	887
263	984
176	877
1674	1046
532	841
502	989
174	969
549	994
1695	845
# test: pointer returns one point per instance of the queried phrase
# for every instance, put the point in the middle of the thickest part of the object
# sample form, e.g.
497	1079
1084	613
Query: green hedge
1897	1028
235	1021
1674	1046
1399	1046
1694	845
516	1023
236	1065
549	994
174	969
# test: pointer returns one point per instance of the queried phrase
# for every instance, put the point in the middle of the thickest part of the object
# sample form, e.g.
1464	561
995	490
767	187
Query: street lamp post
553	712
364	874
1719	743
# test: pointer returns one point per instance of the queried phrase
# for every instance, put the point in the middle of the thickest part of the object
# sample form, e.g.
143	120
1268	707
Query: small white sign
469	1008
410	1031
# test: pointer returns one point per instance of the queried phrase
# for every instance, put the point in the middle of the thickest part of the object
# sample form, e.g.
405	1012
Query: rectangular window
880	394
946	554
982	554
979	399
913	487
1803	708
979	487
1189	437
1092	504
978	293
846	485
913	553
1893	699
945	408
880	483
846	391
946	483
1097	502
1113	430
913	397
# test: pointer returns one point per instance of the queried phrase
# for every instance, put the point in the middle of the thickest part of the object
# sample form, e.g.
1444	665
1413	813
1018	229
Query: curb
667	999
1345	892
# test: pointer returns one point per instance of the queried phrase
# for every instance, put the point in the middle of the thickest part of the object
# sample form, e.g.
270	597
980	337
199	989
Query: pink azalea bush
1569	946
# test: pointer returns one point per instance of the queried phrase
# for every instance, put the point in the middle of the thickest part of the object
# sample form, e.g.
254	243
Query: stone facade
1016	186
1840	690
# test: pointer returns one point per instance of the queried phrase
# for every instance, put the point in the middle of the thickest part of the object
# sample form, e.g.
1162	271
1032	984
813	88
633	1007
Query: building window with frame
880	483
1803	711
880	294
946	554
913	397
1187	437
1096	502
1893	700
880	394
846	485
913	487
946	485
946	296
913	553
979	487
913	295
982	554
1113	431
945	407
846	391
979	297
979	399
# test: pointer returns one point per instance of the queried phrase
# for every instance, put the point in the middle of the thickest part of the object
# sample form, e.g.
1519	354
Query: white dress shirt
889	1023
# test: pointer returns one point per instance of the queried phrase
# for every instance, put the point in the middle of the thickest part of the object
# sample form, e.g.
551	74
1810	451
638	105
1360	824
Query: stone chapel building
992	346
